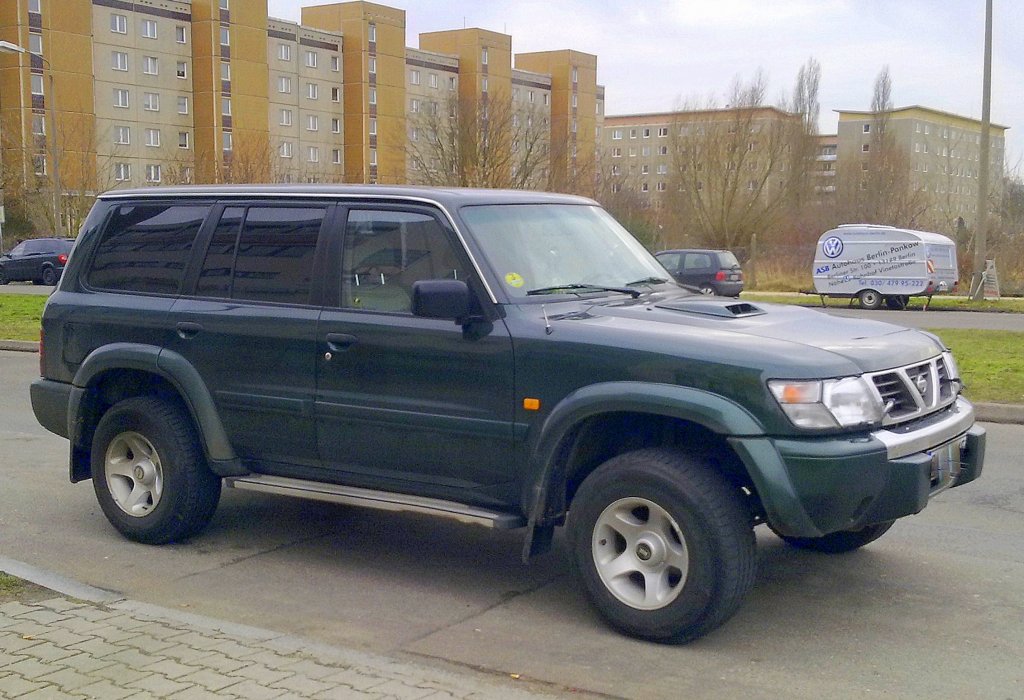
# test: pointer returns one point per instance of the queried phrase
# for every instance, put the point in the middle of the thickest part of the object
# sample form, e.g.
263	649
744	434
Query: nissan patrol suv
510	359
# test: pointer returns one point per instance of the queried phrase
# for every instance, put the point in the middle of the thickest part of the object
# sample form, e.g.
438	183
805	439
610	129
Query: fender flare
174	368
716	413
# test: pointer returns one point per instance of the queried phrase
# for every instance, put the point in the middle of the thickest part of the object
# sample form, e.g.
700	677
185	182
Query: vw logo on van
832	247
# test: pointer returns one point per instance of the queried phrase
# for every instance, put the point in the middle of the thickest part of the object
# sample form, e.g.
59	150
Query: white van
883	263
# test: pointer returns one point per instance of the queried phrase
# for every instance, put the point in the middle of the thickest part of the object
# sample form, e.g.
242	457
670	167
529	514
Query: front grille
914	390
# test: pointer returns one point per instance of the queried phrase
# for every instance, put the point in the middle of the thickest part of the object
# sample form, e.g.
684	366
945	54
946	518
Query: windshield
549	247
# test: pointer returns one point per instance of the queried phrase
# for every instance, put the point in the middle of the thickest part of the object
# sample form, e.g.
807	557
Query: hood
788	333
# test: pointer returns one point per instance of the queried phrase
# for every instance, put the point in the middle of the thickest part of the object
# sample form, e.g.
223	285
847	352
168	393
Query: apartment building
182	91
824	172
654	153
940	150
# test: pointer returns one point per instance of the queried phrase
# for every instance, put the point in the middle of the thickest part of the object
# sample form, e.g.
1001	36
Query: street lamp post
58	219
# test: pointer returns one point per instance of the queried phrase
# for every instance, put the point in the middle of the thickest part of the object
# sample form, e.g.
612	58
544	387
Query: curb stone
984	412
91	636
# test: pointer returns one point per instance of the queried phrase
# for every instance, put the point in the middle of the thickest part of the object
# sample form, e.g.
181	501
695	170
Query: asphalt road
933	609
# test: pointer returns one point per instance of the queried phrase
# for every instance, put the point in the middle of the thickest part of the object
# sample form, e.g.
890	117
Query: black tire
176	493
707	289
4	279
869	299
840	542
50	276
709	531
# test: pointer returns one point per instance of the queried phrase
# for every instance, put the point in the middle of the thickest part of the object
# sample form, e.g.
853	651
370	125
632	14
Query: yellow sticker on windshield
514	279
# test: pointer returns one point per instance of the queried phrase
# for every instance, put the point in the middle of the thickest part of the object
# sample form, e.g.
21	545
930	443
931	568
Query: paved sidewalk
110	648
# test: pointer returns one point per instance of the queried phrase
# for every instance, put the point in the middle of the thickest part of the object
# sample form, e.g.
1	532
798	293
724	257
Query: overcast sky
653	56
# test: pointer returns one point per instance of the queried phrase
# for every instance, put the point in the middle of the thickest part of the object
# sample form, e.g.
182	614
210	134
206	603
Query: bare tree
733	171
479	143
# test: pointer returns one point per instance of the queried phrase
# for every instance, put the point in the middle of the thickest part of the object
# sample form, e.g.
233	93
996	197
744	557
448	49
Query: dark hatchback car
711	271
37	260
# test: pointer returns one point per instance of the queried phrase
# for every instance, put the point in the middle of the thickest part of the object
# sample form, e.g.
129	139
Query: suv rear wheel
662	544
149	473
49	276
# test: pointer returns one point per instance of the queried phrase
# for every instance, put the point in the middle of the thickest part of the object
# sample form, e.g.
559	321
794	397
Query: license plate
946	461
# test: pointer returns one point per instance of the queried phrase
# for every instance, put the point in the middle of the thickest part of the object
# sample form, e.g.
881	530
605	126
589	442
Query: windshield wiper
648	281
582	287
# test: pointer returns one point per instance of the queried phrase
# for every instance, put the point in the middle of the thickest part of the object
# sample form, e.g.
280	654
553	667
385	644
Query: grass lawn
991	362
943	303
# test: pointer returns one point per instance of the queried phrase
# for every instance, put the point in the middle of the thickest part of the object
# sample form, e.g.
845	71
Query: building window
662	131
645	169
433	80
575	101
286	149
122	172
867	129
575	74
372	32
119	60
225	71
372	65
149	28
121	97
39	164
151	101
373	126
373	96
644	187
414	77
336	125
225	106
865	147
284	52
224	4
35	6
335	94
616	134
663	169
632	133
119	24
483	84
313	154
153	138
179	34
153	173
312	122
225	36
661	187
122	135
632	152
150	65
336	156
182	105
35	44
181	69
335	63
38	125
663	151
451	83
286	117
483	56
284	84
414	134
616	153
373	156
227	141
312	91
414	105
312	59
183	139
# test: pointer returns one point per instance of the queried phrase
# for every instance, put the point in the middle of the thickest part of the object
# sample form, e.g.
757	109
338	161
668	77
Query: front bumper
815	486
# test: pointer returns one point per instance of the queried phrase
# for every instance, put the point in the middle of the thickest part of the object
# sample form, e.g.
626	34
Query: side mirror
448	299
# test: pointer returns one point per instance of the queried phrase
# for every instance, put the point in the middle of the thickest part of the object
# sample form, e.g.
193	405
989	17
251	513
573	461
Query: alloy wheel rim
134	473
640	553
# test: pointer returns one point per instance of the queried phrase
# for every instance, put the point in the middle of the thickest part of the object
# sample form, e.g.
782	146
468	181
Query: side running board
381	500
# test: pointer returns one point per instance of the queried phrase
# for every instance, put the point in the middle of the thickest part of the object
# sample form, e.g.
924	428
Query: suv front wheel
149	473
662	544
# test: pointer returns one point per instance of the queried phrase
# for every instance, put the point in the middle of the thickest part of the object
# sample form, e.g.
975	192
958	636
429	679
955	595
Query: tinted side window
262	254
670	261
698	261
39	246
145	247
386	251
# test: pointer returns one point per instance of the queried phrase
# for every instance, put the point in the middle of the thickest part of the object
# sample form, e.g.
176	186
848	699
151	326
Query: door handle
187	329
339	342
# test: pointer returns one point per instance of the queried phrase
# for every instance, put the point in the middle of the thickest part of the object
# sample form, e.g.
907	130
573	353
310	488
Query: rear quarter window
145	248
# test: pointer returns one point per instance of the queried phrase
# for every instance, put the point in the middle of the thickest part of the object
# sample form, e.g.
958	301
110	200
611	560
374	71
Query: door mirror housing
449	299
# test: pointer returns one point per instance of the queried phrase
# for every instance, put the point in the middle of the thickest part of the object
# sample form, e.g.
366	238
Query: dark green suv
510	359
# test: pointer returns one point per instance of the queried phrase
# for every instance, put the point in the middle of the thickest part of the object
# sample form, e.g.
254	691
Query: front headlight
832	403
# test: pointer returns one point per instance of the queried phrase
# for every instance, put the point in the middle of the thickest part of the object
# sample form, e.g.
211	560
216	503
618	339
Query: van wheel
662	545
149	473
870	299
49	276
707	289
839	542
